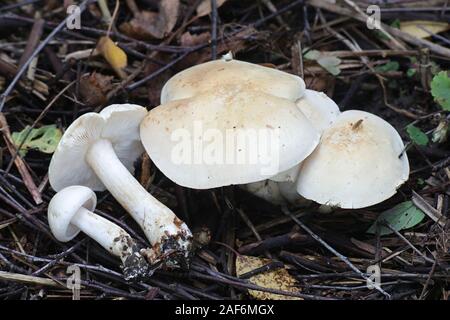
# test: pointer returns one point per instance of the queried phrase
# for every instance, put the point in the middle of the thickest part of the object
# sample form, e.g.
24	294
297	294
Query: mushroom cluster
352	159
220	123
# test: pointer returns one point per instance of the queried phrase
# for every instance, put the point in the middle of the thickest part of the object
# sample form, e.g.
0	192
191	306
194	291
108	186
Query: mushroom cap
64	205
244	75
214	120
119	123
321	111
318	108
356	164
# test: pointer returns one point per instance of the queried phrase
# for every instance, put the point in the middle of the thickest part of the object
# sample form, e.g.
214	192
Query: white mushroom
227	136
321	111
71	211
318	108
359	162
98	151
211	76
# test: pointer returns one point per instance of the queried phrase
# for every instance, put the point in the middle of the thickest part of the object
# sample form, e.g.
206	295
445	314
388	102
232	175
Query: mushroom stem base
114	239
169	236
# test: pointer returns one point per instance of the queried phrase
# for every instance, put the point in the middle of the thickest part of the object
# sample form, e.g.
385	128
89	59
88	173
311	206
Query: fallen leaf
440	89
440	133
416	135
204	8
423	29
149	24
329	63
278	279
403	216
45	139
190	40
94	87
115	56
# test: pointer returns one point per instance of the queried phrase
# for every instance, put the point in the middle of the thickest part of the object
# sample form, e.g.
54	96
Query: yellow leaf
115	56
278	279
423	29
204	8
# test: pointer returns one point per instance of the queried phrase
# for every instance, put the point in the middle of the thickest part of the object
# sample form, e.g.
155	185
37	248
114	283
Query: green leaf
403	216
395	24
411	72
389	66
440	89
331	64
312	55
45	139
416	135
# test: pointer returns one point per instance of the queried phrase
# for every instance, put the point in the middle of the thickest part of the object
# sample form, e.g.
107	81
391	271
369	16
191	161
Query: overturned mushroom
71	211
359	162
98	151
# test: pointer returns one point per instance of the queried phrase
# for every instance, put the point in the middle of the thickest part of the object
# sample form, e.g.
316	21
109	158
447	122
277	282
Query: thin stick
332	250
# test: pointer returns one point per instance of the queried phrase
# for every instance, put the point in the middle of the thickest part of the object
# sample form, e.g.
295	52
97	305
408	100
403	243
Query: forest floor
50	75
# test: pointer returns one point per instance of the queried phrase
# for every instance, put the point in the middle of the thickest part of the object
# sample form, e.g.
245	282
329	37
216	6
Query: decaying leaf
45	139
94	87
148	24
403	216
278	279
440	133
190	40
423	29
115	56
204	8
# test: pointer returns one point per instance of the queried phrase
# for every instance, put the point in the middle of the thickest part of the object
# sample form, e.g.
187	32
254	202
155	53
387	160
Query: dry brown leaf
148	24
115	56
94	87
423	29
204	8
278	279
190	40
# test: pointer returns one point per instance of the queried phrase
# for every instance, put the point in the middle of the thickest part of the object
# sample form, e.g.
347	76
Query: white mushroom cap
356	164
246	76
64	205
318	108
225	113
118	123
321	111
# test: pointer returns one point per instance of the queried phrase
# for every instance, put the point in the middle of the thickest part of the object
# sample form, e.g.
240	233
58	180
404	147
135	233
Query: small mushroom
203	128
98	151
242	75
71	211
321	111
360	161
318	108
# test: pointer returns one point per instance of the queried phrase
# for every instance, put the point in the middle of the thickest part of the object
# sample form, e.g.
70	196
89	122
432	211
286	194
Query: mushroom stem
165	231
114	239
